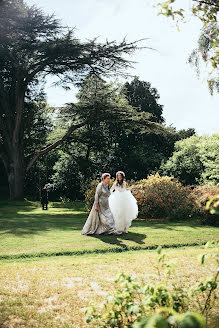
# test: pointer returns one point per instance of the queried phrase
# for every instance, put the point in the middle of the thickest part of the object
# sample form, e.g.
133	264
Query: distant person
44	198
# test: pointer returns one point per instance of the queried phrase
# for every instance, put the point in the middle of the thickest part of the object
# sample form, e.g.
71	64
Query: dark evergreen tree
144	98
33	45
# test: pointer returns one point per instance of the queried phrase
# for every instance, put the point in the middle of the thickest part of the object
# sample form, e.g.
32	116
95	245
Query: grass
28	231
38	289
55	291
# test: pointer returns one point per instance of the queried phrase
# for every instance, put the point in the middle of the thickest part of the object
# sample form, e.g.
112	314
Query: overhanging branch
47	148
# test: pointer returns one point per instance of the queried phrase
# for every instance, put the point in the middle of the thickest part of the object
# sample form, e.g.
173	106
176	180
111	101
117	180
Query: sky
186	99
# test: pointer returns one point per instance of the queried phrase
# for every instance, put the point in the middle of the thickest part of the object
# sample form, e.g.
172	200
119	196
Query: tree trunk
16	175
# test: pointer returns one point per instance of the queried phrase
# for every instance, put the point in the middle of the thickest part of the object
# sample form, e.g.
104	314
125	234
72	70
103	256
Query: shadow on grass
36	223
12	221
117	239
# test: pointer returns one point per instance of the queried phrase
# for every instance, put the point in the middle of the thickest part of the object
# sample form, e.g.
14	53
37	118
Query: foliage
37	127
107	113
33	45
208	44
203	198
206	11
141	154
163	304
204	291
195	160
160	197
204	51
69	176
144	98
213	205
165	197
115	135
90	193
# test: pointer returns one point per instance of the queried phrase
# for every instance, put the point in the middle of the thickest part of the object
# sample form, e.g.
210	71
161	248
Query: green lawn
38	289
27	230
55	291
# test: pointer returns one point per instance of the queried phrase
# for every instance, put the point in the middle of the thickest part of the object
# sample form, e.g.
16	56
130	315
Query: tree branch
209	3
47	148
38	69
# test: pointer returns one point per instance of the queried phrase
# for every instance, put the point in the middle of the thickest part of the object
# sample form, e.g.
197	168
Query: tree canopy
32	46
195	160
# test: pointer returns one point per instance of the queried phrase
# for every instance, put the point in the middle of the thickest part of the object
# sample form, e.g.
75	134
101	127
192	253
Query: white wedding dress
123	206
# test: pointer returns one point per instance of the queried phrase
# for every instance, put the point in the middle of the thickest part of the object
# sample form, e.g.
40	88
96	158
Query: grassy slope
26	230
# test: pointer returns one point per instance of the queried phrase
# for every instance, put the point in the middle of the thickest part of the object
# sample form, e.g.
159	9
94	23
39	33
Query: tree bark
16	175
11	131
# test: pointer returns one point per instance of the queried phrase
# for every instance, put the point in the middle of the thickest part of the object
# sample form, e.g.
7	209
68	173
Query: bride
122	203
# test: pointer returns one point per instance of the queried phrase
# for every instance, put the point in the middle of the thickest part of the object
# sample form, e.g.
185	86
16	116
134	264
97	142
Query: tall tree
128	139
144	98
33	45
99	145
194	160
38	124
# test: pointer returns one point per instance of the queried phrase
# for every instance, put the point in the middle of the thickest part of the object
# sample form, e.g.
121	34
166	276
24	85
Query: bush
90	193
162	197
200	196
212	205
166	197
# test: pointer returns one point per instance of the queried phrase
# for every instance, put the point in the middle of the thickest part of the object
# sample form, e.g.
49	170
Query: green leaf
133	309
159	249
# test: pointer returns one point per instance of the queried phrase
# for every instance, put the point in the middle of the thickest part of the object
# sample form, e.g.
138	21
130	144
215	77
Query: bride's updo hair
104	175
122	175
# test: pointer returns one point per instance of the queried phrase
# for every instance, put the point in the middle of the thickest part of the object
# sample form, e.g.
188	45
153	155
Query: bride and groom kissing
113	209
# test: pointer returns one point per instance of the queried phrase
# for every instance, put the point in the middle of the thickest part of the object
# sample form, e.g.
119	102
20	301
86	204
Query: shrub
162	197
212	205
200	196
90	193
166	197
